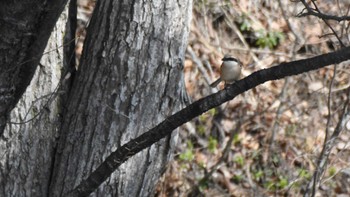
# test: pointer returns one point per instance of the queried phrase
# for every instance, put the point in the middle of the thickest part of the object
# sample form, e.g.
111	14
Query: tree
27	145
130	79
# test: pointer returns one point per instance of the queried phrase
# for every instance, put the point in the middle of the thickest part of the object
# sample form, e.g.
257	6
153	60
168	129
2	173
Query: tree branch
165	128
327	148
311	11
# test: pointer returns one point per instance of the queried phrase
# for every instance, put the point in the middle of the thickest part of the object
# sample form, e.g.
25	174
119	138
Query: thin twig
311	11
282	98
325	21
319	169
323	158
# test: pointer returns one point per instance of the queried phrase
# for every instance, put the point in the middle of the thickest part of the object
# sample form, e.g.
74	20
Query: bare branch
326	150
166	127
316	12
319	168
311	11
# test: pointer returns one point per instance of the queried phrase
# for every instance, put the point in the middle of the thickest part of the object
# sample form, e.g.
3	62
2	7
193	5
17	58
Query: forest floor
267	141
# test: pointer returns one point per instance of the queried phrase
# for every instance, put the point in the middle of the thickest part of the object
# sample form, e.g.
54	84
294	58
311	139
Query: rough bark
28	143
25	29
130	78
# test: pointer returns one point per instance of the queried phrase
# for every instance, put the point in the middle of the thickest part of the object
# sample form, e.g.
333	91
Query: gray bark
28	142
25	28
130	78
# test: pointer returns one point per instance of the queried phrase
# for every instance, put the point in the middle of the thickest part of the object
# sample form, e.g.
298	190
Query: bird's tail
215	83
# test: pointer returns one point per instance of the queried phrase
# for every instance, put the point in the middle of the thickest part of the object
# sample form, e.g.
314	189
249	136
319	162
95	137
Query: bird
230	70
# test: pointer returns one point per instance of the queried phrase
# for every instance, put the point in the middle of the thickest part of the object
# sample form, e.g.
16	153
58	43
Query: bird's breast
230	72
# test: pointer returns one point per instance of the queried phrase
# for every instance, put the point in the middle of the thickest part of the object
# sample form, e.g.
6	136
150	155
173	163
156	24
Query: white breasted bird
230	70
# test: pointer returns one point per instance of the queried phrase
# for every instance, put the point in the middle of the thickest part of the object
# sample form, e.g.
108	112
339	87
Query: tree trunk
25	29
130	78
29	140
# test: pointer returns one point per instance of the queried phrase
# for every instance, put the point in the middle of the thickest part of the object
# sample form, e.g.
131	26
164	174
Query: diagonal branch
165	128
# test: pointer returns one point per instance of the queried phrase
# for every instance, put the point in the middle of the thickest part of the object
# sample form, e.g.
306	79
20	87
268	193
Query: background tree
27	145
